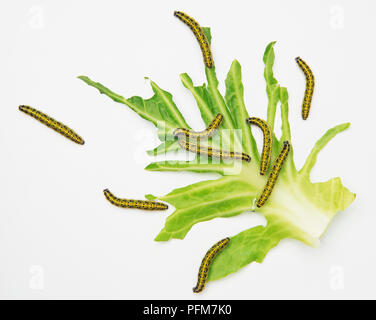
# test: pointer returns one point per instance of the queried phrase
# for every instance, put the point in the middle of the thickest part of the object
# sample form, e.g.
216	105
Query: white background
60	238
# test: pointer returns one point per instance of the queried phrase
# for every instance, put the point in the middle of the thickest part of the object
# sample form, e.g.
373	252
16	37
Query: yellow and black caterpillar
200	36
52	123
268	142
274	174
207	133
215	153
207	261
139	204
310	84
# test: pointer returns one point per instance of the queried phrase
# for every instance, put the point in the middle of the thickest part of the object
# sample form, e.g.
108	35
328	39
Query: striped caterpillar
206	262
267	147
139	204
52	123
310	84
215	153
274	174
207	133
200	36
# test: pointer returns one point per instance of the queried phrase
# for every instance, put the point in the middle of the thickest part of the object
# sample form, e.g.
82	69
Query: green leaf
207	33
329	196
206	200
286	132
272	86
164	147
235	101
209	109
201	95
297	208
320	144
251	245
217	99
160	109
193	166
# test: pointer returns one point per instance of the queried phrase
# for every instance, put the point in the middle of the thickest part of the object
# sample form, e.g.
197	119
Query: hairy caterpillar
200	36
215	153
310	84
267	147
207	133
52	123
274	174
139	204
206	262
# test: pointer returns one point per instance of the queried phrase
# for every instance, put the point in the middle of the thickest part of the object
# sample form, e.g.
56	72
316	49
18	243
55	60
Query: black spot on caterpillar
310	84
52	123
207	261
267	147
200	36
139	204
207	133
274	174
215	153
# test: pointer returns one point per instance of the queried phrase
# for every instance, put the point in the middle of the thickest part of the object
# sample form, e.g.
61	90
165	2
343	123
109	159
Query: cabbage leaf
297	208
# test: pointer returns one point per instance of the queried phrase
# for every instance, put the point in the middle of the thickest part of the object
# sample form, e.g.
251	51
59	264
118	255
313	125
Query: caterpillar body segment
210	152
52	123
207	133
268	142
273	174
310	85
200	36
206	262
138	204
